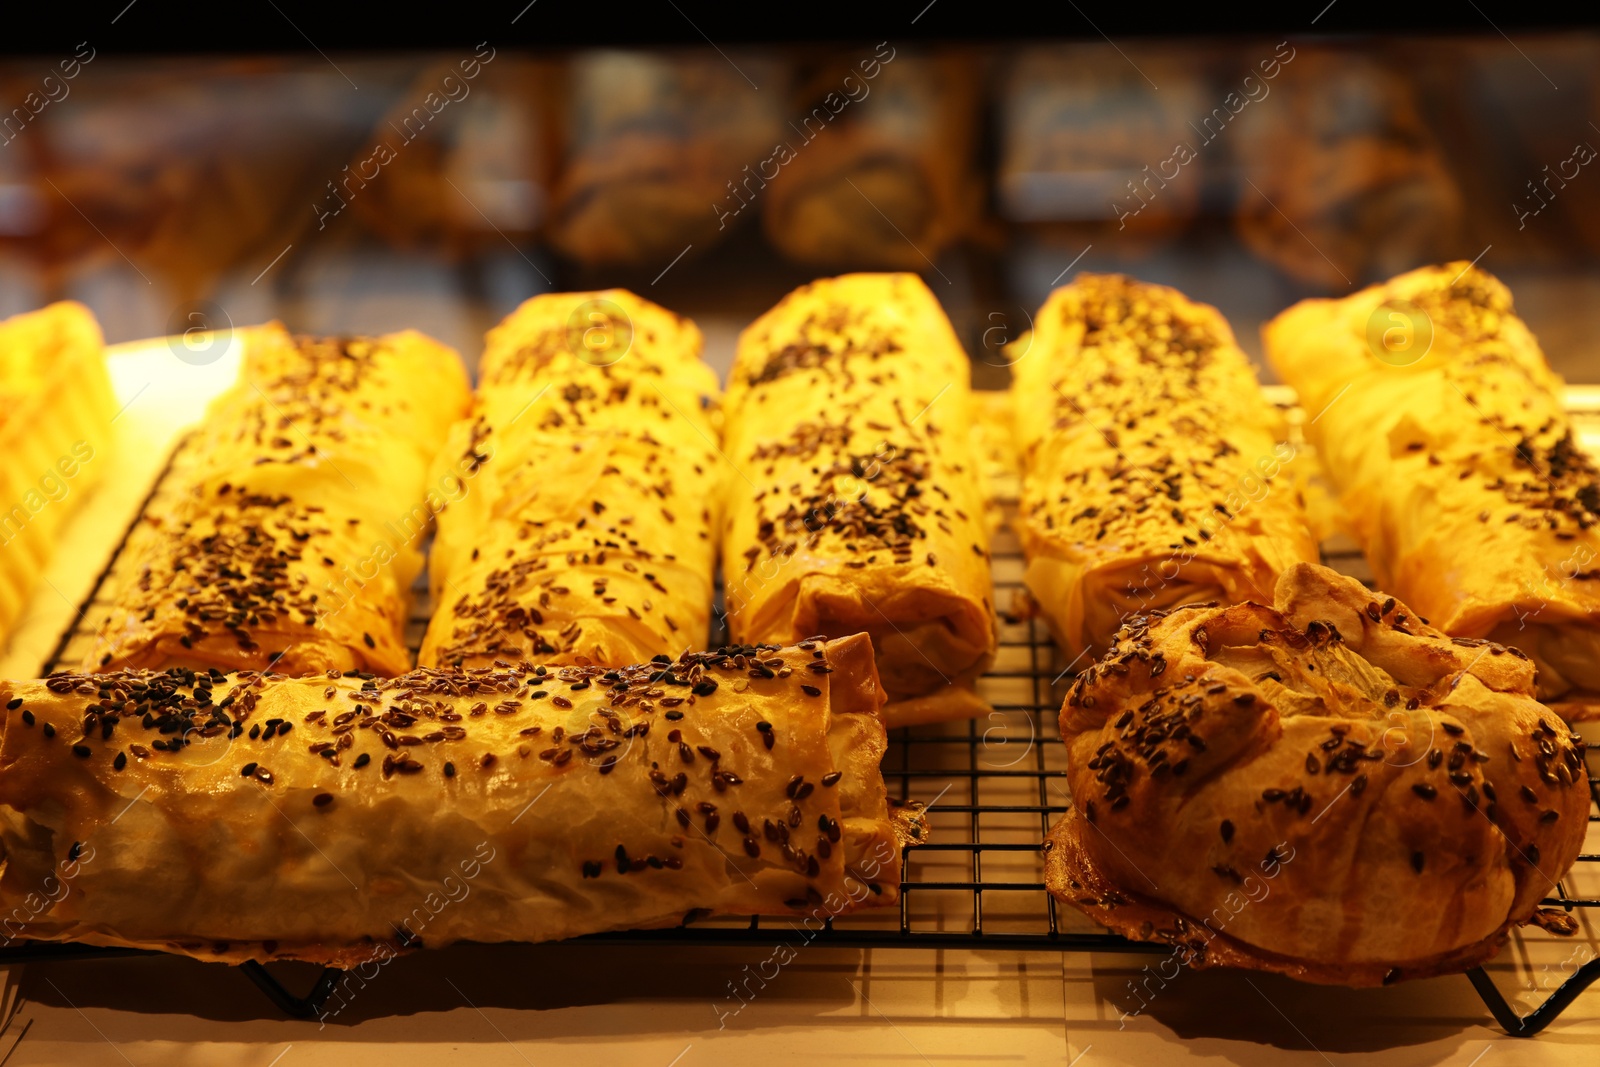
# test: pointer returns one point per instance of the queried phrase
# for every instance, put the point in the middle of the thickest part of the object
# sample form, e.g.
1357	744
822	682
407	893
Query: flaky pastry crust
1457	463
56	409
299	508
858	505
1329	788
583	532
344	818
1154	472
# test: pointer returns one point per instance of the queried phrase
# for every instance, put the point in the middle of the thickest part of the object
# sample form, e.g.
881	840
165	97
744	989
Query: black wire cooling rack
993	787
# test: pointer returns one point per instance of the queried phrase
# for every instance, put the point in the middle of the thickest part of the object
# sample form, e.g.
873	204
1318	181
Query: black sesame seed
363	759
49	731
82	751
27	717
121	761
449	769
1227	830
1424	790
13	705
1416	862
322	800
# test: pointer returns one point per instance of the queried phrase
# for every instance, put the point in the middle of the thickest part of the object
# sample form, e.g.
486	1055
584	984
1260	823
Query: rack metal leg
306	1007
1540	1017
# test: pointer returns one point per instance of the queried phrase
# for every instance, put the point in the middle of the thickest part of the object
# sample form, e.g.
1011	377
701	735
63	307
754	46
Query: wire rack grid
993	787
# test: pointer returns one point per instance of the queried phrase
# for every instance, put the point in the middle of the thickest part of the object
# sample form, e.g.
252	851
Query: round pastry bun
1329	788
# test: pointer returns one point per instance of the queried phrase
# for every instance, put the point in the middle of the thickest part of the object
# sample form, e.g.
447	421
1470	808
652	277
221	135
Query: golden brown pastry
877	171
996	447
857	502
1442	426
1331	789
658	150
585	533
1091	151
334	819
1345	179
1154	471
56	408
292	536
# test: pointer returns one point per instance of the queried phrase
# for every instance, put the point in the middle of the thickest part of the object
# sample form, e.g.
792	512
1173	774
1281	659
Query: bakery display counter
932	545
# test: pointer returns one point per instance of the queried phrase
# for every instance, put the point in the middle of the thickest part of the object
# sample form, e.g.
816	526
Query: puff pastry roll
1153	468
1441	425
1329	788
56	407
293	537
334	819
585	535
857	505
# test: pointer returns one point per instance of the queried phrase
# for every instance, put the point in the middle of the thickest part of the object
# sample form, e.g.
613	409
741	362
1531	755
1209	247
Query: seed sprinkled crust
1369	755
590	509
257	558
848	414
383	758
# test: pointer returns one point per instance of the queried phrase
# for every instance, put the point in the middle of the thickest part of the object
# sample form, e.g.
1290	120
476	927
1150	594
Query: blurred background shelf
437	189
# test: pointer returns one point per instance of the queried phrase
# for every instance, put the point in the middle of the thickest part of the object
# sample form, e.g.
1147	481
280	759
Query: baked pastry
456	179
586	535
1442	426
292	536
888	184
1331	789
56	408
1154	471
339	819
1346	179
659	151
996	446
857	505
1090	151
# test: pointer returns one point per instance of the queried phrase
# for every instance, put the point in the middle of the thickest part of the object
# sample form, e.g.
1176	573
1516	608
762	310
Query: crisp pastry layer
1457	464
56	407
329	819
294	533
589	466
1330	789
857	502
1154	471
